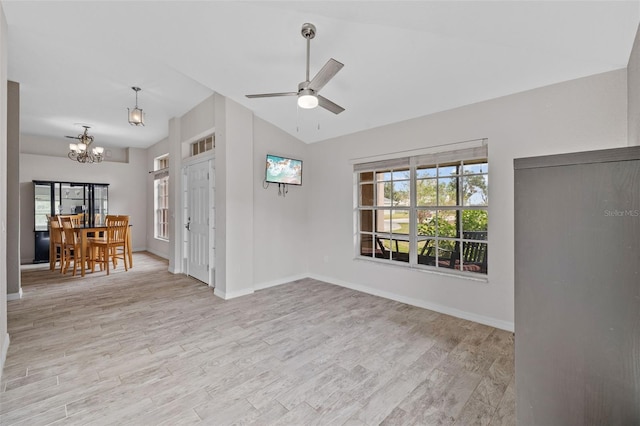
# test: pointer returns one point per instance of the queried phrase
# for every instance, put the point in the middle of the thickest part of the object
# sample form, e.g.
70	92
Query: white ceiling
77	60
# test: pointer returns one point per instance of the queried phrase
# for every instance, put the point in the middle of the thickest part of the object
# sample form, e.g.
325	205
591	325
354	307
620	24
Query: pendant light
136	117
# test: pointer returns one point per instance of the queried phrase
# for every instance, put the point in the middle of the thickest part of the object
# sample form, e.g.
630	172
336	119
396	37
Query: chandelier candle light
82	151
136	118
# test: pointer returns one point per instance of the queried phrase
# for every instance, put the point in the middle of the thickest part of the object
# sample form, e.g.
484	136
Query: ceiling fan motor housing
303	86
308	30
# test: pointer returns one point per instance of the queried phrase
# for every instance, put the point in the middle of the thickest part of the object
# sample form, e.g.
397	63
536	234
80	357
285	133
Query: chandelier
136	118
82	151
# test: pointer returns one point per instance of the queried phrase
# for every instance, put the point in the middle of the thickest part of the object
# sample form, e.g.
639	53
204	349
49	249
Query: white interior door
198	221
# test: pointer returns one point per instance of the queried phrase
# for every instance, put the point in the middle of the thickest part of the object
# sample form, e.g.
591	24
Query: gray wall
13	190
633	93
4	337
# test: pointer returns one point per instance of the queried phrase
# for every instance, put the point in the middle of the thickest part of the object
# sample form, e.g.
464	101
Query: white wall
280	224
198	121
127	190
175	197
254	226
154	245
234	185
220	194
584	114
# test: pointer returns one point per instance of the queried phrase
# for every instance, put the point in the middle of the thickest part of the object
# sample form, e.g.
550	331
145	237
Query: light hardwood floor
151	348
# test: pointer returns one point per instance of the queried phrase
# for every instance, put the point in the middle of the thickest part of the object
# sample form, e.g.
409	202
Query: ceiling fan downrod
308	32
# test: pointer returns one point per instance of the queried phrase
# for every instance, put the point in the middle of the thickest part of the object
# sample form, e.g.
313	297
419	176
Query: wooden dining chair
77	219
56	251
128	247
70	245
113	246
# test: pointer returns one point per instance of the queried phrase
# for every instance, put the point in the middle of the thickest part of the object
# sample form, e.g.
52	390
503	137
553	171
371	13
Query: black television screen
283	170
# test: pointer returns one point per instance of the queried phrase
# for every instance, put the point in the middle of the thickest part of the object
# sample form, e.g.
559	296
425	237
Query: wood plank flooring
146	347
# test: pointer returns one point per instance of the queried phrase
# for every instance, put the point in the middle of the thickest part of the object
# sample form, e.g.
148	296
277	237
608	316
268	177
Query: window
427	211
161	192
203	145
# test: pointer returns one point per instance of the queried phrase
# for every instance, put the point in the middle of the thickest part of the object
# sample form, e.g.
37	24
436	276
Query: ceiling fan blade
272	95
325	74
328	105
72	137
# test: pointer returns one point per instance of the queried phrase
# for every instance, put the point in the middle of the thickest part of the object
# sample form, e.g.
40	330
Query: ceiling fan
307	93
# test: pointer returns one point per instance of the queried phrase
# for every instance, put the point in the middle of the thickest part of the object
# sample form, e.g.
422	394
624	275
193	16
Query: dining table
83	233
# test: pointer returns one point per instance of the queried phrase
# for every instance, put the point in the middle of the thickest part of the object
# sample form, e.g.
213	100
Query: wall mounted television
283	170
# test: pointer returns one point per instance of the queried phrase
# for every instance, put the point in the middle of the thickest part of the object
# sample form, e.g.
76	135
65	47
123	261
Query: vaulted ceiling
76	61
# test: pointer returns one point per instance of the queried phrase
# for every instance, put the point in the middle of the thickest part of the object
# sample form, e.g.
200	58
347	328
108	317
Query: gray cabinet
65	198
577	288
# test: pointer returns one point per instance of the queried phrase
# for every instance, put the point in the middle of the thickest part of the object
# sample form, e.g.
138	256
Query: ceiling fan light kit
307	99
307	93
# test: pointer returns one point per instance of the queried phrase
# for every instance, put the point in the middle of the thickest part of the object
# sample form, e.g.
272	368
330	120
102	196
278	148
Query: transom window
428	211
203	145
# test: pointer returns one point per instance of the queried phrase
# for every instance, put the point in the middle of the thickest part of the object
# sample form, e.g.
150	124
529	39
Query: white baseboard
155	252
219	293
226	296
15	296
3	356
267	284
280	281
493	322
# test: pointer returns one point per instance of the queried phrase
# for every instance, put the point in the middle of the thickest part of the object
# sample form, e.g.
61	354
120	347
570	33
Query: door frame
208	157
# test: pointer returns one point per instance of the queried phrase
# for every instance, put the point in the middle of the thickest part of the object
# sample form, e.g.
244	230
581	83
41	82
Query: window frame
161	198
374	242
202	145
